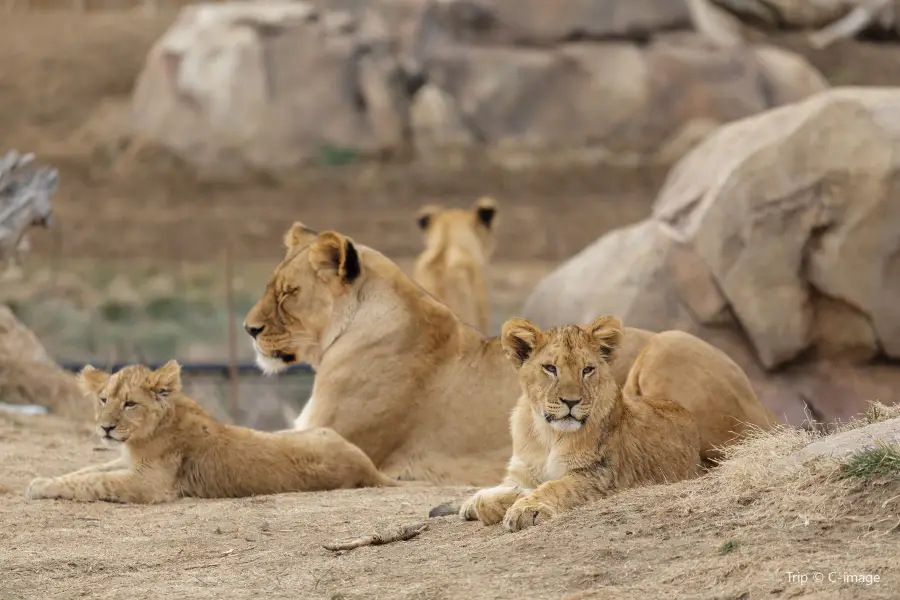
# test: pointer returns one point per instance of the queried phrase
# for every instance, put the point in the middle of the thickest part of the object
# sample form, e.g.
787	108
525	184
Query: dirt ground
744	535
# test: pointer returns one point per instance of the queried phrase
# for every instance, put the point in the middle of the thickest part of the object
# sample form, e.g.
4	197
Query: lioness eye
587	371
129	404
102	400
550	369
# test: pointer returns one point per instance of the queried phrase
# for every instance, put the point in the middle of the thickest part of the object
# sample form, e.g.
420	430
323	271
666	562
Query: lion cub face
130	404
301	297
565	372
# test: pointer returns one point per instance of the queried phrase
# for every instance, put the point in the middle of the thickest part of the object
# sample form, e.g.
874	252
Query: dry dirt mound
758	528
29	376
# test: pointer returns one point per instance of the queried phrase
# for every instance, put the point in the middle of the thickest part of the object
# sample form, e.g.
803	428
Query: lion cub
453	265
575	437
172	448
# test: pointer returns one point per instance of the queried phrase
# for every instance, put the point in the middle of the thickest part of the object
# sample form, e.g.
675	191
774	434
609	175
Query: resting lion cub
172	448
575	437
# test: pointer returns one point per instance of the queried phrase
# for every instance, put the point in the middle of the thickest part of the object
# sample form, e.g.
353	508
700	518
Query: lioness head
131	403
288	322
434	220
565	372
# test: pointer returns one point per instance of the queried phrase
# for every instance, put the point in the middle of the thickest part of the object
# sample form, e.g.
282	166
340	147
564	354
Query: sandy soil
702	539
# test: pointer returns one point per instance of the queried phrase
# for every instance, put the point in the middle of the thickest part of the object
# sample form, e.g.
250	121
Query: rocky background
721	167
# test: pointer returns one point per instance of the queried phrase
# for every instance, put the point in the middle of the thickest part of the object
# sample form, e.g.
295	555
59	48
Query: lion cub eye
102	400
549	369
587	371
129	404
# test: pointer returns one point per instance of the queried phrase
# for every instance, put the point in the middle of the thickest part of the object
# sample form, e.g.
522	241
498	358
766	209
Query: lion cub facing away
172	448
575	437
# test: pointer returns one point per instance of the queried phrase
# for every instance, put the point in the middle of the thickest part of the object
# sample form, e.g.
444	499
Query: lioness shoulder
576	438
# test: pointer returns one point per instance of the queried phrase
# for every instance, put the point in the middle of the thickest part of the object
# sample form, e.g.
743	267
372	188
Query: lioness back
453	265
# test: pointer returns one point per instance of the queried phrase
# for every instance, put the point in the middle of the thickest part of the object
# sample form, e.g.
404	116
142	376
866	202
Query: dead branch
852	23
24	199
400	534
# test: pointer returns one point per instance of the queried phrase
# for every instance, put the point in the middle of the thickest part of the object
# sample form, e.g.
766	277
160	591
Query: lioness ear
606	335
518	338
335	253
166	380
426	214
299	235
485	210
92	380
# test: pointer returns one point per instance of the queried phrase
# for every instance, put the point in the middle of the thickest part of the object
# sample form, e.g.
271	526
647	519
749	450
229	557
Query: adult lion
453	265
426	396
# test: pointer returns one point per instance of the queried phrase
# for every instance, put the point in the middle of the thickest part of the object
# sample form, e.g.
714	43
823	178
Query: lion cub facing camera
575	437
172	448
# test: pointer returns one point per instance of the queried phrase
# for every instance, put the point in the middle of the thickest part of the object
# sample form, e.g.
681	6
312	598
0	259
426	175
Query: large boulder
775	239
541	24
272	85
632	100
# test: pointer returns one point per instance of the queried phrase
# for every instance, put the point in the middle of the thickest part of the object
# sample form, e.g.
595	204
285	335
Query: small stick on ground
400	534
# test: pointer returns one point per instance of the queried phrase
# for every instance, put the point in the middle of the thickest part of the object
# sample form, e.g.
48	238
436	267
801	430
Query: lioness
171	447
453	265
426	396
575	437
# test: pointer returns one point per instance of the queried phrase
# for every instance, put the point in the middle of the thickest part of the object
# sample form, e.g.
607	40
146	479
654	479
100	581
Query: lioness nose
107	428
570	402
253	331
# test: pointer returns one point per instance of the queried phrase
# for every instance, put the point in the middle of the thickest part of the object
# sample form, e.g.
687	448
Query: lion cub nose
570	402
107	428
253	331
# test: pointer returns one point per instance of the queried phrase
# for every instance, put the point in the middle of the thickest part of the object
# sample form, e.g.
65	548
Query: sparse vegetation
880	462
729	546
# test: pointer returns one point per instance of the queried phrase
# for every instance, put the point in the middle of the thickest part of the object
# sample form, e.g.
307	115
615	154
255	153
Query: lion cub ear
334	253
299	235
485	210
425	216
606	335
92	380
166	380
519	338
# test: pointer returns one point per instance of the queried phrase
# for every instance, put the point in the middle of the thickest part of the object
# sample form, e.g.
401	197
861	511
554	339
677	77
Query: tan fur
576	438
172	448
424	395
453	265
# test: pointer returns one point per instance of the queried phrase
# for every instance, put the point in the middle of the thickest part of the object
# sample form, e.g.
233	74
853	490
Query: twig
401	534
202	566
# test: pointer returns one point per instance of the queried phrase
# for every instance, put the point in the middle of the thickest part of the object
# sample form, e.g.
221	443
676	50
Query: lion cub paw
525	513
41	487
489	505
